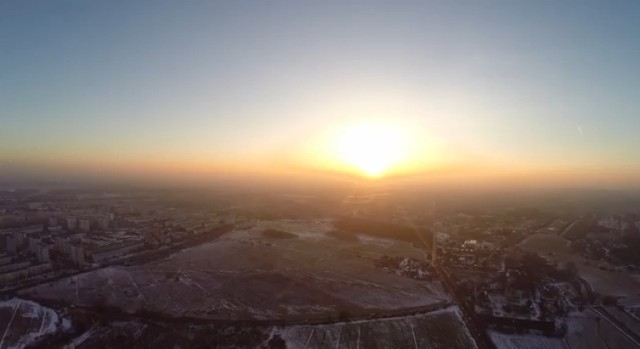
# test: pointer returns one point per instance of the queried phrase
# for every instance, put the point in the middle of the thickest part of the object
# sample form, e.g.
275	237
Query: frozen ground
245	275
525	341
23	322
441	329
584	331
626	286
437	330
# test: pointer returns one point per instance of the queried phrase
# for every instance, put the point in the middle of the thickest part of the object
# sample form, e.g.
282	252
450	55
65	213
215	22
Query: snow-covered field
437	330
605	282
545	243
23	322
245	275
585	330
525	341
441	329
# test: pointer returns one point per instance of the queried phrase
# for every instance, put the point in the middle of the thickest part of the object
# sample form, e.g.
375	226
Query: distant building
229	219
434	249
103	222
56	229
84	224
13	266
60	242
42	252
33	229
21	237
4	259
76	253
12	245
22	271
469	245
35	205
33	243
72	223
15	241
70	246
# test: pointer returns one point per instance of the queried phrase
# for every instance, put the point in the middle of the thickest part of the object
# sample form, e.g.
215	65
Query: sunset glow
283	174
371	149
343	92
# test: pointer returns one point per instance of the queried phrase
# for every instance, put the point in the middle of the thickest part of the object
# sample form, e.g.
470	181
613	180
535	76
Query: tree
571	269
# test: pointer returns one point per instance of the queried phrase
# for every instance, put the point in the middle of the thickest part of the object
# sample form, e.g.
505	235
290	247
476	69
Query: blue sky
543	83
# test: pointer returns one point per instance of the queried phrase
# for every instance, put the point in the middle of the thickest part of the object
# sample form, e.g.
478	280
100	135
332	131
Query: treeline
628	252
383	229
278	234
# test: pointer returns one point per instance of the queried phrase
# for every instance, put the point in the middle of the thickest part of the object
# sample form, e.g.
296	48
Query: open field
24	322
547	244
605	282
585	330
525	341
244	275
439	329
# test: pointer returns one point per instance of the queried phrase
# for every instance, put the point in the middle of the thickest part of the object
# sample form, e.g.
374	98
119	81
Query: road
475	327
632	336
569	227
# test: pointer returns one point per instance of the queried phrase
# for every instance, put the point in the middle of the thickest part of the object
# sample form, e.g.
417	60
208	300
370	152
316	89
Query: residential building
33	242
42	252
76	253
84	224
72	223
103	222
26	270
33	229
13	245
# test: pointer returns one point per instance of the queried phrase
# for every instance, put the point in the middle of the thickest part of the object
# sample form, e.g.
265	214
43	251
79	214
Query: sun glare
371	149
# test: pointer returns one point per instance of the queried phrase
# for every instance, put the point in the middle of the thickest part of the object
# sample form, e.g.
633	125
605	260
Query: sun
371	149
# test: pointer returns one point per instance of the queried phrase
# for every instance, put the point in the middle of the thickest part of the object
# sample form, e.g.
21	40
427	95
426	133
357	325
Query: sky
503	90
